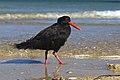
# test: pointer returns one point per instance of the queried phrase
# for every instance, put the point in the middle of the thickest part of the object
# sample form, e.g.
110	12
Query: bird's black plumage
51	38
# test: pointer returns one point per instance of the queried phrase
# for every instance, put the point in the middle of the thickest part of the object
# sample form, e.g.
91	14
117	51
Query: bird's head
67	20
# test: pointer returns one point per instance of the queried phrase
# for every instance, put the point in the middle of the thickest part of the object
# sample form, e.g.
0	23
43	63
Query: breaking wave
42	15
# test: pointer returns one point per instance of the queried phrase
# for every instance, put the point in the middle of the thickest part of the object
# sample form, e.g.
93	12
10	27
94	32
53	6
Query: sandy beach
28	65
90	52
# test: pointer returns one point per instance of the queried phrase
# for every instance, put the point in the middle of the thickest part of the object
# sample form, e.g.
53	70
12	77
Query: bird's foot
46	62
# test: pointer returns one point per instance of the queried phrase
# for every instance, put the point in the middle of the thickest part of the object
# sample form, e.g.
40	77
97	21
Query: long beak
74	25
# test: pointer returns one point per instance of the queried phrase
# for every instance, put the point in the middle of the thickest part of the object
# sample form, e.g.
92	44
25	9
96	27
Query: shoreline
88	54
8	50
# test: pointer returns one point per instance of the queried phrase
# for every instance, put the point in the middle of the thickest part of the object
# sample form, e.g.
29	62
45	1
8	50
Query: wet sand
81	51
34	69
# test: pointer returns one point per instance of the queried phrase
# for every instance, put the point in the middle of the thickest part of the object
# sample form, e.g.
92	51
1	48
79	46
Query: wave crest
85	14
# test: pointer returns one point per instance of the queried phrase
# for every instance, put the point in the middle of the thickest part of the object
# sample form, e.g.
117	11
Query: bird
50	38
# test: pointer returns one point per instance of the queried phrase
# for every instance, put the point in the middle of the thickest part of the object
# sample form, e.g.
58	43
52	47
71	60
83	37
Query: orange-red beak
74	25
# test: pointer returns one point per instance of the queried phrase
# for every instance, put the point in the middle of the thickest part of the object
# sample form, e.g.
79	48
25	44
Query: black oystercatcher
51	38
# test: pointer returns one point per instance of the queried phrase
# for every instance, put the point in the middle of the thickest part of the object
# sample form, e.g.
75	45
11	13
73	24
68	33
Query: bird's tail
23	45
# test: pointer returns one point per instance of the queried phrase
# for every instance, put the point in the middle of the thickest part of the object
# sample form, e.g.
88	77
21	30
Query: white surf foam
86	14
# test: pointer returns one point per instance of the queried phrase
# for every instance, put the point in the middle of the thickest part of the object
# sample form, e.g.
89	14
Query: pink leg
55	54
46	60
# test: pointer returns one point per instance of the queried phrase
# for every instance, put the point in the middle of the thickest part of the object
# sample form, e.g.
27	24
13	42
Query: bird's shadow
22	61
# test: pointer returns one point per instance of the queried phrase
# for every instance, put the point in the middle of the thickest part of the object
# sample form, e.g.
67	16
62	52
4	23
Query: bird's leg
46	61
55	54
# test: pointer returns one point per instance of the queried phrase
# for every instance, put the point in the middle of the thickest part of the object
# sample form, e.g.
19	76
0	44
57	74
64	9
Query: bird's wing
48	33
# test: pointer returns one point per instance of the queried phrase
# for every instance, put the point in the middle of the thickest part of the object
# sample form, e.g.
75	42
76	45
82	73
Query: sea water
98	20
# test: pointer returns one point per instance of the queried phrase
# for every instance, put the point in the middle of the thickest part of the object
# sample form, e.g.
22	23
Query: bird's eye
66	19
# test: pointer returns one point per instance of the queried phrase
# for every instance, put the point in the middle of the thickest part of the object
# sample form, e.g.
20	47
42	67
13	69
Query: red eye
66	19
